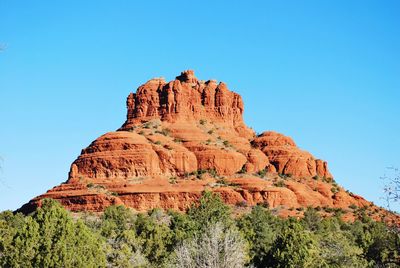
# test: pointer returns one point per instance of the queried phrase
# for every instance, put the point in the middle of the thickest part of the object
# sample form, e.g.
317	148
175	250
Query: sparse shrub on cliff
353	207
213	173
178	140
334	190
226	143
280	183
242	204
284	176
164	132
172	180
261	173
242	170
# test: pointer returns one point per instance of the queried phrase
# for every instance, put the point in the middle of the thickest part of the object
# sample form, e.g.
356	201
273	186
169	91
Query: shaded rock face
187	136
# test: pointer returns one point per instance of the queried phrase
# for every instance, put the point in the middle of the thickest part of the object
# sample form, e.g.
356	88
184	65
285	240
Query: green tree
295	247
115	220
311	219
125	251
182	226
384	249
210	210
155	237
51	238
260	229
337	250
24	247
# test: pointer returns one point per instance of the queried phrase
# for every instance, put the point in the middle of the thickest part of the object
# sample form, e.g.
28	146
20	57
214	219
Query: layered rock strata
186	136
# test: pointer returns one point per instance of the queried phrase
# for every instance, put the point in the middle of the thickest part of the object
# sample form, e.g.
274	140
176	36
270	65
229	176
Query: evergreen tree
260	228
295	247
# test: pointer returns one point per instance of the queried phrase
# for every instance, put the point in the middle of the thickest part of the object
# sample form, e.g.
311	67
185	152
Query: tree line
208	235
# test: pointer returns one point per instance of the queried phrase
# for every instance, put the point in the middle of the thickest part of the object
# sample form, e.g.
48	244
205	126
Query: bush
51	238
227	144
178	140
294	247
280	183
210	210
172	180
243	170
218	246
353	207
164	132
262	173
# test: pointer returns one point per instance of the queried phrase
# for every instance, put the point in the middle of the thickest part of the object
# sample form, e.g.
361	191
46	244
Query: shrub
202	122
243	170
172	180
210	132
294	247
353	207
164	132
334	190
224	248
280	183
178	140
226	144
210	210
213	173
262	173
241	204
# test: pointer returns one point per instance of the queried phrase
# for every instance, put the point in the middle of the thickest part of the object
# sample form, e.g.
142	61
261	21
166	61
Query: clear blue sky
326	73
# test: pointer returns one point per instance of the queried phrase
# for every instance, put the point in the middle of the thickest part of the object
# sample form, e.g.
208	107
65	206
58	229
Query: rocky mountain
186	136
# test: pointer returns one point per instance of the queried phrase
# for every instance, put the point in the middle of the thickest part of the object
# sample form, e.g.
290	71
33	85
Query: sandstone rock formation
187	136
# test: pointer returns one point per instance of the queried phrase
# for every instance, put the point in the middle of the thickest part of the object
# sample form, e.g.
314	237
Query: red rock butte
187	136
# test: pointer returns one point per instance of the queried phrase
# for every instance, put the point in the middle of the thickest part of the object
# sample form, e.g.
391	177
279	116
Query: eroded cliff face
187	136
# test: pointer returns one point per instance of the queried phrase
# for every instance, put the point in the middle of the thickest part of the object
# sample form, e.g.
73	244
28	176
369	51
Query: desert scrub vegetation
280	183
261	173
164	131
209	232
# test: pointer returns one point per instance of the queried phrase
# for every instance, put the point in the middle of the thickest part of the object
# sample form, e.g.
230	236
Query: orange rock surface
187	136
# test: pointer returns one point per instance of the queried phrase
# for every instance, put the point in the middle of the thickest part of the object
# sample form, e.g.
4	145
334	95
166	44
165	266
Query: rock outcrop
187	136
